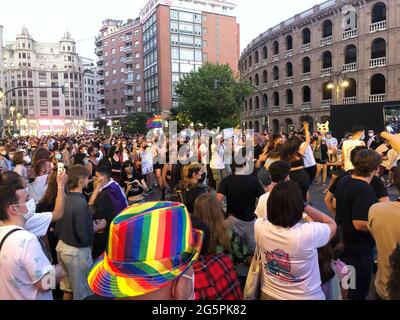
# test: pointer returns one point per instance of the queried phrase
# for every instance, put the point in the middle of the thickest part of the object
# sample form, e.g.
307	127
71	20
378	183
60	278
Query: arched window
257	79
378	12
306	94
265	100
289	97
289	70
326	91
251	104
245	64
251	80
306	65
306	36
275	125
257	102
378	48
350	54
378	84
275	72
250	61
327	60
265	53
289	43
265	76
276	47
251	125
256	126
327	29
245	105
256	57
276	99
351	89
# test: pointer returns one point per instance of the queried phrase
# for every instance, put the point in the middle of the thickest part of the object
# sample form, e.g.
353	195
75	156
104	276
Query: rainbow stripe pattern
155	123
149	245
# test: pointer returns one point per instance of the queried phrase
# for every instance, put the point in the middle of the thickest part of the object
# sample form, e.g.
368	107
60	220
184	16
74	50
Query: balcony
275	83
101	96
275	109
100	77
129	60
350	67
305	76
289	53
326	103
128	70
100	61
265	63
289	80
305	47
128	38
129	92
306	106
129	81
275	58
326	41
378	26
289	107
376	63
128	49
254	113
377	98
100	69
350	34
129	103
99	51
326	72
350	100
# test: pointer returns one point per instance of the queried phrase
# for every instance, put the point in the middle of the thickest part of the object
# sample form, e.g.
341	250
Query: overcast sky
47	20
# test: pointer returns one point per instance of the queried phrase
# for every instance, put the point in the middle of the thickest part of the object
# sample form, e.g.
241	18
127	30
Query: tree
213	107
135	123
101	125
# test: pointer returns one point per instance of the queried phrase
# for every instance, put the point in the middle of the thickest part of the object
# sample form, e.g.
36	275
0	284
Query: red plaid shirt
216	279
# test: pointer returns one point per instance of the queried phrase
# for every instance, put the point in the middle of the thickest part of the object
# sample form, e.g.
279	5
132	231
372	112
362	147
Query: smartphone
391	118
60	167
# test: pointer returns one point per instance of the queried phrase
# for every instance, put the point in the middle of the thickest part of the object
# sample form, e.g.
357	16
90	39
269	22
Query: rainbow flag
155	123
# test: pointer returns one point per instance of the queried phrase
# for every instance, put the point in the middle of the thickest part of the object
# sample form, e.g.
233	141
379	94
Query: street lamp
19	115
344	84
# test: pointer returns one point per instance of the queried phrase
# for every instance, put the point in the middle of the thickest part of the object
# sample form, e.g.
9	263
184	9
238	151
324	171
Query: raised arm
58	212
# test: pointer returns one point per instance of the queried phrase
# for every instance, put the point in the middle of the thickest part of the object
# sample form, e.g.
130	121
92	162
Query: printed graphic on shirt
279	266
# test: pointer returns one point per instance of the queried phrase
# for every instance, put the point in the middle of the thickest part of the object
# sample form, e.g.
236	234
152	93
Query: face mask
85	152
31	209
193	285
58	156
4	153
371	135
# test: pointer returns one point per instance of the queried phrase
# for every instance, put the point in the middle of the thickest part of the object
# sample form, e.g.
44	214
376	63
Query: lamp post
19	115
343	84
12	109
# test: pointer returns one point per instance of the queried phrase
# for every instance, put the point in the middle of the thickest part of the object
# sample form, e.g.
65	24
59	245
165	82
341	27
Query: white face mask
27	160
30	207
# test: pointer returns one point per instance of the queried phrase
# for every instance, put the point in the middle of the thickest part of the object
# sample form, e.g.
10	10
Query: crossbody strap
6	236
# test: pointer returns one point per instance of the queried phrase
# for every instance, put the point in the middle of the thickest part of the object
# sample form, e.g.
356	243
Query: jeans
363	263
245	230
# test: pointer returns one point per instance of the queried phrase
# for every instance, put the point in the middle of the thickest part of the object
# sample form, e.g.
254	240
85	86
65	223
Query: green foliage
213	106
135	123
101	125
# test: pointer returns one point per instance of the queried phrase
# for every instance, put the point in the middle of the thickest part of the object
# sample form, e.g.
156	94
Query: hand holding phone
60	168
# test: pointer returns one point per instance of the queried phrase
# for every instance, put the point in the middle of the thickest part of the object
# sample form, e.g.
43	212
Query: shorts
158	166
76	263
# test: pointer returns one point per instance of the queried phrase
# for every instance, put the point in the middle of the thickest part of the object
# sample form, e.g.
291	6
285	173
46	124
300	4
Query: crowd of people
85	217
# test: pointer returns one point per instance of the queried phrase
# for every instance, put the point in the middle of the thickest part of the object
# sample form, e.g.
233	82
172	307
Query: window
275	72
306	94
378	84
185	16
326	91
256	57
121	48
306	65
174	39
55	94
43	103
44	112
137	65
198	55
137	55
174	14
136	44
55	103
174	26
289	43
186	54
113	51
276	48
289	97
276	99
257	79
289	70
43	94
378	48
306	36
327	60
378	12
186	27
113	61
351	89
174	53
327	29
350	54
265	53
114	71
265	76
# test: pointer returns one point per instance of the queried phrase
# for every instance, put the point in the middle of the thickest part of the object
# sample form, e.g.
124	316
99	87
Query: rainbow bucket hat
149	246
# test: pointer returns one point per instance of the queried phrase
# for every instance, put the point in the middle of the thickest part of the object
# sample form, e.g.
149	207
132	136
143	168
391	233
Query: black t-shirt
376	184
136	189
241	192
354	198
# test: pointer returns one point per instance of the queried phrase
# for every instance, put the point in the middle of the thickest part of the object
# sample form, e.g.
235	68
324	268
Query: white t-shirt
203	153
262	206
309	160
39	223
22	265
38	188
290	258
217	158
332	142
348	147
